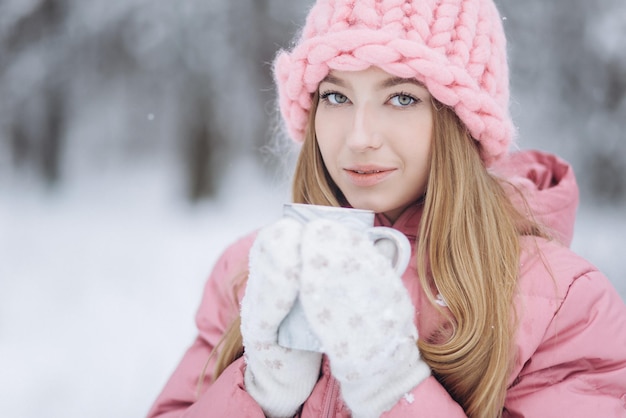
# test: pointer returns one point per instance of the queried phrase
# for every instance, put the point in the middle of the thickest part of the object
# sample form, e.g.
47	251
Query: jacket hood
548	189
544	185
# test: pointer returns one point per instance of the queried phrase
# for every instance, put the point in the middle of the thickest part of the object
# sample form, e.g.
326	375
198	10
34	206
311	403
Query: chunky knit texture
456	48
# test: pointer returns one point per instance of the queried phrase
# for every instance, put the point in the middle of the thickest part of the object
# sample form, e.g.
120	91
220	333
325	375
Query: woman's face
374	131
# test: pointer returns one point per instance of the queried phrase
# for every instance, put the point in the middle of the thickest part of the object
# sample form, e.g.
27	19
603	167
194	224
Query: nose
364	133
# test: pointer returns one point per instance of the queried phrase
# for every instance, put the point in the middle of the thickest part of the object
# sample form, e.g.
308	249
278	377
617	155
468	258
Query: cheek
419	164
327	137
422	143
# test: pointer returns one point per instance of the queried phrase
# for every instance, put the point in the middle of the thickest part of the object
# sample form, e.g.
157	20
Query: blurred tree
568	82
190	81
37	133
256	30
201	144
37	126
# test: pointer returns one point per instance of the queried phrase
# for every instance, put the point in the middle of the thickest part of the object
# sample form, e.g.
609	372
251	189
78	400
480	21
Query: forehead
372	75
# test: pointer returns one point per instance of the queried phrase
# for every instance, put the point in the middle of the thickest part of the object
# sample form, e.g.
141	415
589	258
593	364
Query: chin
368	205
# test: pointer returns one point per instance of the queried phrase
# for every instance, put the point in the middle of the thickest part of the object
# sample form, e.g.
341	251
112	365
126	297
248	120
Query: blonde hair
468	247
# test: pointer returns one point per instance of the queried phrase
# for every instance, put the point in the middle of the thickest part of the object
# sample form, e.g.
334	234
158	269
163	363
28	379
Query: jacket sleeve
579	368
226	396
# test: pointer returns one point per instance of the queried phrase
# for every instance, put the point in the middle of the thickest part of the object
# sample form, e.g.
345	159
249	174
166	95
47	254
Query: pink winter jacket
570	341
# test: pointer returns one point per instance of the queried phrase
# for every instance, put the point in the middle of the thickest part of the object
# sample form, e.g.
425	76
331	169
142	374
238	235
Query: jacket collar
407	223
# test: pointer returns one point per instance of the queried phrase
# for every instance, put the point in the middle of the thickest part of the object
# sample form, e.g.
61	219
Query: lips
366	176
367	171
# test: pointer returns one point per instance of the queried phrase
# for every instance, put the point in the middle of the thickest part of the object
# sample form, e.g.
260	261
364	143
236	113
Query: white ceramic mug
294	331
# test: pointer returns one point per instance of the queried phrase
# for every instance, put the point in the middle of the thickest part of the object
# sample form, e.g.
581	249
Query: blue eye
403	100
334	98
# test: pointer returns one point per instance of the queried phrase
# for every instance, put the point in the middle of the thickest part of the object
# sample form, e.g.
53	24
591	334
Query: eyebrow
334	80
394	81
389	82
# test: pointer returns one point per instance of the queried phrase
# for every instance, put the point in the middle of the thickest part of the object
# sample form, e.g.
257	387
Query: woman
402	108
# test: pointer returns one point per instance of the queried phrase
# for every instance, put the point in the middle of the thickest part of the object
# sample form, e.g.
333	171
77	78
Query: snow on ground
99	283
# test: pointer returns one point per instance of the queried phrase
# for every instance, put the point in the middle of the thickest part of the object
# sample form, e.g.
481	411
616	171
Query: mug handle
393	244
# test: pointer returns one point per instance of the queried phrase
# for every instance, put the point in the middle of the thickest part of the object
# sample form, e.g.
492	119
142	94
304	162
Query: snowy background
134	147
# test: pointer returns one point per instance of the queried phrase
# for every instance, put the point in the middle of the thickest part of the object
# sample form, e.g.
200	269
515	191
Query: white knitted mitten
279	379
362	314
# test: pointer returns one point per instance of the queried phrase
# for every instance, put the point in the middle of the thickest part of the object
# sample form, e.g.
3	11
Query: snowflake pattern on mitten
362	313
278	378
272	281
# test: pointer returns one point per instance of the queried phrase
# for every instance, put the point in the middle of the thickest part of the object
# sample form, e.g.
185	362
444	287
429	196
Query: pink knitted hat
456	48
